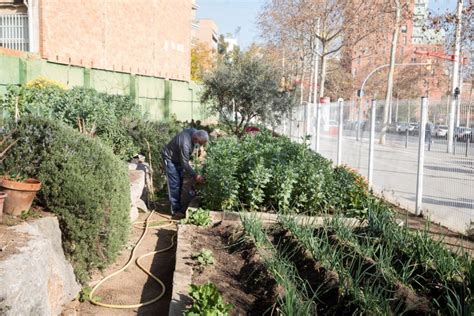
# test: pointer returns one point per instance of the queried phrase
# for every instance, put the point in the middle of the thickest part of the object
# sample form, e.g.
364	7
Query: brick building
206	32
413	36
147	37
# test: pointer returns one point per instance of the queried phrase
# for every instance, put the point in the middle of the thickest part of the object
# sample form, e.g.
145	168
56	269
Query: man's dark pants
174	177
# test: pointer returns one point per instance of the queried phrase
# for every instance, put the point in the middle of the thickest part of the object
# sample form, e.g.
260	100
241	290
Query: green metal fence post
23	70
87	78
168	99
134	87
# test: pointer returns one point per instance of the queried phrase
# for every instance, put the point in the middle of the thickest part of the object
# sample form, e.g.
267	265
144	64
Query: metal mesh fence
447	188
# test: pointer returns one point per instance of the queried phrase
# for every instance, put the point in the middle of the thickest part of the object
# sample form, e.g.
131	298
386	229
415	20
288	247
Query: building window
413	59
404	40
14	31
404	29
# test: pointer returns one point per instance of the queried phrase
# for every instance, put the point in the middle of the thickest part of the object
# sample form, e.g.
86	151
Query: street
448	188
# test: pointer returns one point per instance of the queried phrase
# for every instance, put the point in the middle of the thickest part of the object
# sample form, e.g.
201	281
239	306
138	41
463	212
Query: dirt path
132	285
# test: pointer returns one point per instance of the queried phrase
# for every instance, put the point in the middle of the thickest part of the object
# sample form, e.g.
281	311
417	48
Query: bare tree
342	23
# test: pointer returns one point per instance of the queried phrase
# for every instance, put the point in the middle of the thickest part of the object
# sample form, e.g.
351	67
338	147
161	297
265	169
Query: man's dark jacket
180	149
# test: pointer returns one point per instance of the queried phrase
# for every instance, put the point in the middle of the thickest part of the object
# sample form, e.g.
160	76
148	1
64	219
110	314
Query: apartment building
414	36
206	32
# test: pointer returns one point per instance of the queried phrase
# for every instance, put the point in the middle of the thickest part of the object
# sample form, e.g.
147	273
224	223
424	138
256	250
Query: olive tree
246	89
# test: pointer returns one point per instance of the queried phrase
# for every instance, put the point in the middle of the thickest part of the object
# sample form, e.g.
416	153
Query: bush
84	183
87	110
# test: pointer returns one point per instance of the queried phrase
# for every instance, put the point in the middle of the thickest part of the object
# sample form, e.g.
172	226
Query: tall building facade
207	32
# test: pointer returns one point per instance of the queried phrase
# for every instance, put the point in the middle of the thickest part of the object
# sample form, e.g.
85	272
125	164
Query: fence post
468	141
290	122
340	130
421	156
406	138
455	142
307	120
318	126
87	77
168	99
371	142
359	116
23	70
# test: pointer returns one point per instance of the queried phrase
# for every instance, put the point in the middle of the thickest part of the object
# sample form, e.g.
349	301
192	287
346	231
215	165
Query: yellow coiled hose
165	223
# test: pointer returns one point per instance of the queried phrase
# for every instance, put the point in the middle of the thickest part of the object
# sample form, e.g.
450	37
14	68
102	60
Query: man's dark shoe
178	216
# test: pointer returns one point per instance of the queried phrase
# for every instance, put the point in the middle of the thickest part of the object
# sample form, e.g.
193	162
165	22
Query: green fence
158	97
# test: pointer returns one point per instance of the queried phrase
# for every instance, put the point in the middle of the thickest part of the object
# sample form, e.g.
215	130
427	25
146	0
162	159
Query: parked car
440	131
463	134
393	128
404	127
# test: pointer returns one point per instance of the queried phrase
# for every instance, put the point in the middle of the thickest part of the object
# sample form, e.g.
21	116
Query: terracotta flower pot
20	195
3	195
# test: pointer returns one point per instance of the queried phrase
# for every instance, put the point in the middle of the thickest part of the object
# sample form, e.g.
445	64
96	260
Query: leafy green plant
207	301
350	192
30	214
85	295
260	172
223	159
203	257
198	217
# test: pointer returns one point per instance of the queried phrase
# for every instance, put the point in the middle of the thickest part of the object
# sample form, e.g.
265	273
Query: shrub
84	184
91	112
43	82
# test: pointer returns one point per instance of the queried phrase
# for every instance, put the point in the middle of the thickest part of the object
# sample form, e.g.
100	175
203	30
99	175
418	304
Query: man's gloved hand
199	179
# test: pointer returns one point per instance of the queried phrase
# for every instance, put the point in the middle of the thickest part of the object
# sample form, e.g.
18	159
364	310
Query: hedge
84	184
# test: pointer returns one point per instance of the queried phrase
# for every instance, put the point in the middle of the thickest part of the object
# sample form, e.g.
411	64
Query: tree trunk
323	72
393	51
311	79
302	81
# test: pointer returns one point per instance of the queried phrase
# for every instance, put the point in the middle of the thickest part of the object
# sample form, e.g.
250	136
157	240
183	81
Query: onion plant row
378	262
296	298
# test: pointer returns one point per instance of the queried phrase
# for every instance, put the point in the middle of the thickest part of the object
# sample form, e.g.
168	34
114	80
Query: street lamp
360	93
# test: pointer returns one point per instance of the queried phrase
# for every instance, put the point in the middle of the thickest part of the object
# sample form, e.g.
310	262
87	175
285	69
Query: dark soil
237	272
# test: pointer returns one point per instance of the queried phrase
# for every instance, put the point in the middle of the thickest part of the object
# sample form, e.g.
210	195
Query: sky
230	15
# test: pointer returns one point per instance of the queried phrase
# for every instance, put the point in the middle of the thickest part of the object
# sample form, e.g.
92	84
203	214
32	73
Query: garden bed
237	271
326	265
